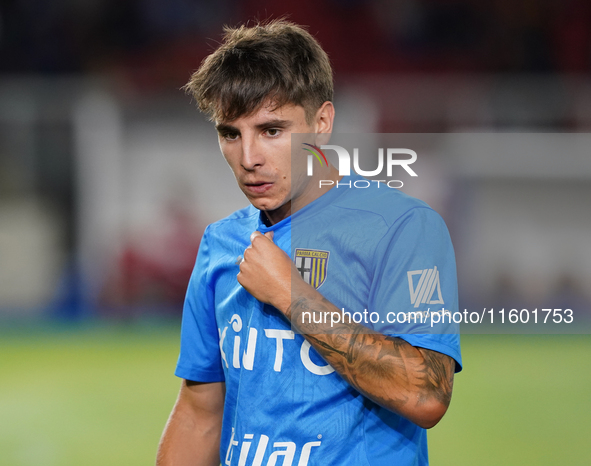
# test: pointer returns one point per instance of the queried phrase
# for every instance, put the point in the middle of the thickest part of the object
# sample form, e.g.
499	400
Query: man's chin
272	209
265	206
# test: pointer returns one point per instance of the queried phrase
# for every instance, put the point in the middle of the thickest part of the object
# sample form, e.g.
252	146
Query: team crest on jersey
313	265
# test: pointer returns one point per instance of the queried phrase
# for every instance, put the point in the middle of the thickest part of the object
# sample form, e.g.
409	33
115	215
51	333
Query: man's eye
230	136
273	131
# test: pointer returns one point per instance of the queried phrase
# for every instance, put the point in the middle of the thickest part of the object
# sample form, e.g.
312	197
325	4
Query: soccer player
263	385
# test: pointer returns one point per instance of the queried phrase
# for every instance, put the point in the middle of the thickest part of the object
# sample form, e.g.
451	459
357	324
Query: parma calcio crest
312	265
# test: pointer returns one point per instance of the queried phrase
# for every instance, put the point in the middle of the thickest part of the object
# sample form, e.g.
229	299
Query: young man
263	385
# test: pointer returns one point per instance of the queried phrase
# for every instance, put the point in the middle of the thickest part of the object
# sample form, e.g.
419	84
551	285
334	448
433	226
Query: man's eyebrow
276	122
273	123
224	128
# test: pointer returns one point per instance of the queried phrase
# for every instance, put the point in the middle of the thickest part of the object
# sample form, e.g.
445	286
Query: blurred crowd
155	41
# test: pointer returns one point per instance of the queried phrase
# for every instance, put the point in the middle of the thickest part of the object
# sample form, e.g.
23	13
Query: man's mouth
258	187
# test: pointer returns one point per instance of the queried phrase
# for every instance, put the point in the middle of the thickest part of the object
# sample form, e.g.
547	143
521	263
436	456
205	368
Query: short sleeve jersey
373	250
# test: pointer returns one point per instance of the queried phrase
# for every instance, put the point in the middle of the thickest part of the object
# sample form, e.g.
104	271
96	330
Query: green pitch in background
101	396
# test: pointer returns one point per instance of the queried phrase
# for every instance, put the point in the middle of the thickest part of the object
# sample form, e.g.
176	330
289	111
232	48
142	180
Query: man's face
258	149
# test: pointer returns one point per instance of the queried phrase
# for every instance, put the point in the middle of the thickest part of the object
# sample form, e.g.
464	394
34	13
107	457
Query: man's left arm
411	381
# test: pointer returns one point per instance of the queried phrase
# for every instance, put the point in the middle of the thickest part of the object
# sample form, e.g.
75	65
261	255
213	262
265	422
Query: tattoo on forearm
438	375
363	357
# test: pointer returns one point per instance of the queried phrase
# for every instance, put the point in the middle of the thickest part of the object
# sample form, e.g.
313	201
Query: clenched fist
267	272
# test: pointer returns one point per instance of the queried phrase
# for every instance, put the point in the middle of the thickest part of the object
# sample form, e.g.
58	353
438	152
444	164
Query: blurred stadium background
108	176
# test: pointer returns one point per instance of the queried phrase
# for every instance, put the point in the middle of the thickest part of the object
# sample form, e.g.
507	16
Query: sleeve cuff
199	375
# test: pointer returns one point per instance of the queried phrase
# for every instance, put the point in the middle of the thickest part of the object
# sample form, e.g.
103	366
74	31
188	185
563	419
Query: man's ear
324	118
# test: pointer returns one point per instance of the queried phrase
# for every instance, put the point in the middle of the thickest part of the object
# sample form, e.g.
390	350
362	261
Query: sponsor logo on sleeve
424	287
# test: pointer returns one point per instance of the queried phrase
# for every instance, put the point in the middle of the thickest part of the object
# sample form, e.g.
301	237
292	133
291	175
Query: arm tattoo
438	375
389	368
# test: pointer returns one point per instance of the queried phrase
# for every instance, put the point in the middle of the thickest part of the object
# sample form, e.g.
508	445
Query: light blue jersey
375	250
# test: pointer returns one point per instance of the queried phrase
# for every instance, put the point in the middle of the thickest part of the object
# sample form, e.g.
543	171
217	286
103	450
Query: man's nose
252	154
